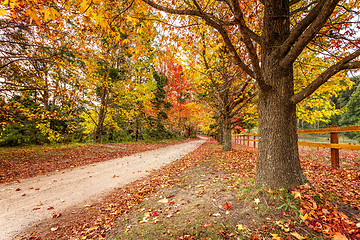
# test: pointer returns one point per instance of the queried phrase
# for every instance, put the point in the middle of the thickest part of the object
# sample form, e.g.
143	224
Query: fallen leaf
297	235
256	200
18	189
240	227
57	215
275	237
339	236
53	229
50	208
296	194
217	214
227	206
164	200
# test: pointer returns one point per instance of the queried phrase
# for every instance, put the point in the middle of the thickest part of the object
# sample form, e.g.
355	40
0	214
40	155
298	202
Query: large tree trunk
226	134
278	163
278	158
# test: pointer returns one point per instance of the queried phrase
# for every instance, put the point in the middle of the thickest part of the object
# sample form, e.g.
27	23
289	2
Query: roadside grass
41	148
217	199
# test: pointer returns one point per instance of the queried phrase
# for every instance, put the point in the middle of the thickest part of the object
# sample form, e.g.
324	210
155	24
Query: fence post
334	138
254	142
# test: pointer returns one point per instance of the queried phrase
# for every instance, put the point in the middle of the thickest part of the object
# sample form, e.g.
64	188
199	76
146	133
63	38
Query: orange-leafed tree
182	118
265	38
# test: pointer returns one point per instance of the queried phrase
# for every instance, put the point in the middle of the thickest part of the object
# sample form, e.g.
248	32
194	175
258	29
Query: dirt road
37	199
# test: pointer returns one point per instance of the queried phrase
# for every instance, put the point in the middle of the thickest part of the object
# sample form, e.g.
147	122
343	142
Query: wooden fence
334	145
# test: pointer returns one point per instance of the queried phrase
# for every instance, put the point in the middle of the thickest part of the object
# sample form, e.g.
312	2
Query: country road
36	199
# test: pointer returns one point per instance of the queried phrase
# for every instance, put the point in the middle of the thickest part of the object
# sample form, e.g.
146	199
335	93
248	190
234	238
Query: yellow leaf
296	194
54	13
240	227
2	12
33	16
275	237
305	217
297	235
83	6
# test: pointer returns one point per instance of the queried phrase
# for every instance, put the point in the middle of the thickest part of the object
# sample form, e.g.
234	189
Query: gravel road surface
36	199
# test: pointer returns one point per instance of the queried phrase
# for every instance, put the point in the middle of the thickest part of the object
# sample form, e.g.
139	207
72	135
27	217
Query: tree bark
278	163
220	134
227	145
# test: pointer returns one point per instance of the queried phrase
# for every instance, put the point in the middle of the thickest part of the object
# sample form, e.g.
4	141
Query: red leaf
56	215
227	206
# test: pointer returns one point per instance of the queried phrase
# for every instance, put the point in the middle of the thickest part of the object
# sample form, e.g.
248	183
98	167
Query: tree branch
247	40
211	23
293	2
299	37
326	75
171	10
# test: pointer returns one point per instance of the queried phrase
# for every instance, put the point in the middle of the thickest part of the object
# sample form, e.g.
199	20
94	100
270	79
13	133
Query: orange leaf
227	206
339	236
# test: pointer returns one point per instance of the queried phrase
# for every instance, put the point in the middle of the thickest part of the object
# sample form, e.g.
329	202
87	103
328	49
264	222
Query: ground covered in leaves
210	194
17	163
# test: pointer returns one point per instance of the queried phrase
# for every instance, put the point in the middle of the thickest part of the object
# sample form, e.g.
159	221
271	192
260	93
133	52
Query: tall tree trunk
227	145
102	114
278	163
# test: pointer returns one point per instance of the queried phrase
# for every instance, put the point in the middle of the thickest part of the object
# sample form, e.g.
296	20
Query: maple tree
184	116
225	88
265	38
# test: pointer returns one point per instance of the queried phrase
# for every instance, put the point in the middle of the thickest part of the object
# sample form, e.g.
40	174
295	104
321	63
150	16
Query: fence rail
334	145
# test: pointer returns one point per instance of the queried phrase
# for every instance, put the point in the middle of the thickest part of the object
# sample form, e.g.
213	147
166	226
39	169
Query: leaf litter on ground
218	188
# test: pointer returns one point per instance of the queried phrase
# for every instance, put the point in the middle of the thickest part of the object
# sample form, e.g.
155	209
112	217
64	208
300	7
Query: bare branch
171	10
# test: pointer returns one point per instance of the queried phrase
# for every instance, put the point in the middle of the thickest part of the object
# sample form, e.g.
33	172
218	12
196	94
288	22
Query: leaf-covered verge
210	194
17	163
93	221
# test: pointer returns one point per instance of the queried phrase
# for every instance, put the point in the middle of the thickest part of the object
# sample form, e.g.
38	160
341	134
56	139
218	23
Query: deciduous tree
265	38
